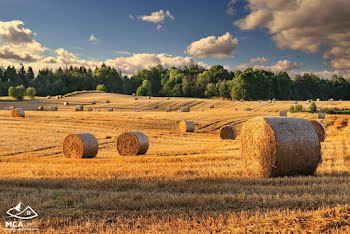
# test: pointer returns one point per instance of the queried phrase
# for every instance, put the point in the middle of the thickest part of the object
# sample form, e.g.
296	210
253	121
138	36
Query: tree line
189	81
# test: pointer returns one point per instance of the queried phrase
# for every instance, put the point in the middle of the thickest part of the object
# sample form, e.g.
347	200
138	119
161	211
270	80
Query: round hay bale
133	94
308	101
321	115
186	126
81	145
107	101
66	103
57	97
17	112
168	98
155	106
269	101
168	109
184	109
295	102
340	100
235	109
79	108
259	101
247	109
277	146
320	129
283	113
132	143
242	100
89	109
136	98
110	109
48	97
211	106
148	97
53	108
11	108
274	99
93	102
228	132
317	100
40	108
331	99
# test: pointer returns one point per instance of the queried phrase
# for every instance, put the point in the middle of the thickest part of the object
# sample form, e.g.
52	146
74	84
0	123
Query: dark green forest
190	81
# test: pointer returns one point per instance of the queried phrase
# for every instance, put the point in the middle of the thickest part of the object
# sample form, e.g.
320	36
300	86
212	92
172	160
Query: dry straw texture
321	115
82	145
278	146
184	109
168	109
283	113
17	112
132	143
186	126
228	132
79	108
53	108
320	129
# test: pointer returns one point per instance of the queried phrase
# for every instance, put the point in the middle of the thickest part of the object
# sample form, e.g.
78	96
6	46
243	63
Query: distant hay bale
320	129
108	137
48	97
186	126
155	106
275	146
107	101
136	98
331	99
321	115
89	109
168	98
110	109
40	108
93	102
211	106
81	145
66	103
148	97
168	109
317	100
283	113
308	101
132	143
200	110
259	101
184	109
53	108
295	102
228	132
247	109
17	112
79	108
11	107
234	109
242	100
57	97
340	100
234	100
269	101
273	99
133	94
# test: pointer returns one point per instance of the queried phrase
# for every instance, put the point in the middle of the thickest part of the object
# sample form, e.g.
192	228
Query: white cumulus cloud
157	16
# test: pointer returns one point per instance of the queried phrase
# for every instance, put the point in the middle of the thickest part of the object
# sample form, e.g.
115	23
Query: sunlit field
185	182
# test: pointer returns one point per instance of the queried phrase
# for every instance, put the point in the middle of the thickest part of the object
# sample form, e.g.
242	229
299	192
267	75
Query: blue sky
69	24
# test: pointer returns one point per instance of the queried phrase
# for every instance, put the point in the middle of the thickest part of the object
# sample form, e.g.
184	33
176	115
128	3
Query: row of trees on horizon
190	81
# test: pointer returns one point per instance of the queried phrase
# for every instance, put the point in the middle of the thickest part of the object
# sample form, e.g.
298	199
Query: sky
279	35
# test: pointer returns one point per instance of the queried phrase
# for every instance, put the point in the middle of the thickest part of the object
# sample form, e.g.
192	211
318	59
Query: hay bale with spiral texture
186	126
81	145
211	106
279	146
320	129
17	112
132	143
184	109
321	115
40	108
53	108
168	109
110	109
228	132
283	113
79	108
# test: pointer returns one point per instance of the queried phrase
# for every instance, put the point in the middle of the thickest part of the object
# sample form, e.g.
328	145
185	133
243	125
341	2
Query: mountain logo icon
20	213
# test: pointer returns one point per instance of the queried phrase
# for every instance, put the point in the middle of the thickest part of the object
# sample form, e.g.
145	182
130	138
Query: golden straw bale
48	97
168	109
211	106
132	143
40	108
283	113
79	108
248	109
81	145
53	108
277	146
66	103
107	101
321	115
320	129
110	109
155	106
93	102
184	109
136	98
17	112
89	109
228	132
186	126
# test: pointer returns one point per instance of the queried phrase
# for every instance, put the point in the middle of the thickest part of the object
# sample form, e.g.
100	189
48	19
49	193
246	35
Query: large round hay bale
57	97
274	99
184	109
148	97
283	113
278	146
186	126
79	108
317	100
320	129
53	108
17	112
168	109
228	132
81	145
269	101
132	143
321	115
211	106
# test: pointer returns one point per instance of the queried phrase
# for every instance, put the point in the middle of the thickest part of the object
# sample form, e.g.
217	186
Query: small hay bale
136	98
308	101
53	108
110	109
247	109
273	99
186	126
132	143
234	109
242	100
48	97
259	101
168	109
295	102
331	99
57	97
108	137
93	102
318	100
275	146
228	132
133	94
66	103
283	113
11	108
321	115
40	108
60	96
269	101
107	101
168	98
79	108
234	100
17	112
184	109
81	145
320	129
148	97
89	109
155	106
340	100
211	106
200	110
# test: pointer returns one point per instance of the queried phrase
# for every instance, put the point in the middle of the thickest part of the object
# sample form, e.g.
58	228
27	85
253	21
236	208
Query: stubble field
186	182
